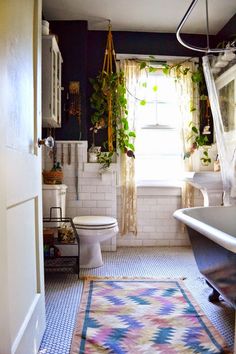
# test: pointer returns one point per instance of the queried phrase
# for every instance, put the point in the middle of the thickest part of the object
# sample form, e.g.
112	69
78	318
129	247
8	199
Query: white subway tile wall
92	193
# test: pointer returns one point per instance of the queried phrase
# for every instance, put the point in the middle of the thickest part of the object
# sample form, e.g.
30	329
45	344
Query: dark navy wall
229	30
72	40
83	52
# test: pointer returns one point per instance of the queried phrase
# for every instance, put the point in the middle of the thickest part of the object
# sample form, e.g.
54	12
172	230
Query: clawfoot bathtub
212	232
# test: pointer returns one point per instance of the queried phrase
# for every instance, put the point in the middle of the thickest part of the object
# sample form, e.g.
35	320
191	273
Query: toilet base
90	255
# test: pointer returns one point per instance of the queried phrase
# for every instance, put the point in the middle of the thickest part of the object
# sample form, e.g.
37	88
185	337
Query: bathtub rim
220	237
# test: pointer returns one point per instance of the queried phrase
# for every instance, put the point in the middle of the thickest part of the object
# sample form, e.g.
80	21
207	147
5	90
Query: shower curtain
226	155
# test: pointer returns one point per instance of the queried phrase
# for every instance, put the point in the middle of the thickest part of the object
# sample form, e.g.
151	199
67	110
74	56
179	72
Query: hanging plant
109	105
114	84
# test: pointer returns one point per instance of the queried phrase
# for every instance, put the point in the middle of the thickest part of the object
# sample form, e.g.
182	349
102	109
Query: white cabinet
51	82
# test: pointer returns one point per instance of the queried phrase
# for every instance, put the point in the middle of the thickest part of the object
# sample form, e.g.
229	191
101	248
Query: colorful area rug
142	316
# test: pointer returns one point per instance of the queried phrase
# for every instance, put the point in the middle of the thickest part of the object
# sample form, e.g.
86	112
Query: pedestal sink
210	185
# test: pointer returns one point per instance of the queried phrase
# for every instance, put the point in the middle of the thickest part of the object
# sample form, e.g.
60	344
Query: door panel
22	307
21	261
21	81
23	169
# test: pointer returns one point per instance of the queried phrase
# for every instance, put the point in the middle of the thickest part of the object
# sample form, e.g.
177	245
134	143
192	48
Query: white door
22	307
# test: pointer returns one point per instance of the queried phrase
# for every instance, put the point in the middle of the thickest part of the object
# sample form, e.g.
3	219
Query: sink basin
206	180
209	183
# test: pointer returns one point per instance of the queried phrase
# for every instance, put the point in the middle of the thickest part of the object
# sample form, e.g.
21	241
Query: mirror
226	89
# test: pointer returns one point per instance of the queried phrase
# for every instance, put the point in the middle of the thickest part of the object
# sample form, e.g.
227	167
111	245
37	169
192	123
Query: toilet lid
94	222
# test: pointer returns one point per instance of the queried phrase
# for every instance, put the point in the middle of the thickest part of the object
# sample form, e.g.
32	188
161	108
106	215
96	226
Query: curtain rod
206	50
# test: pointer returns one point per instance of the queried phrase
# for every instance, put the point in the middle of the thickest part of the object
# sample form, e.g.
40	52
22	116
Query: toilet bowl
92	230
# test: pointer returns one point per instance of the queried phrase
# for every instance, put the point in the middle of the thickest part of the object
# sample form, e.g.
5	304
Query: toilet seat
94	222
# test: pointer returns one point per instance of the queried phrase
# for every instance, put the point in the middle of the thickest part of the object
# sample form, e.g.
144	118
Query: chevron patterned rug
142	316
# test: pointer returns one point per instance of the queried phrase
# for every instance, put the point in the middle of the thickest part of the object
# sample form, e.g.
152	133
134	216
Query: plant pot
52	177
92	153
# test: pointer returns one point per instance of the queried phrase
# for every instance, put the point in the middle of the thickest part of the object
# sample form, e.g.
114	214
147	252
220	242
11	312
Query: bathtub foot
215	295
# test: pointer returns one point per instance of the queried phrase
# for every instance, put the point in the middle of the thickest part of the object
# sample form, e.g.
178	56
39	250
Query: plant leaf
196	77
203	97
132	134
155	88
195	130
166	70
151	69
143	65
131	146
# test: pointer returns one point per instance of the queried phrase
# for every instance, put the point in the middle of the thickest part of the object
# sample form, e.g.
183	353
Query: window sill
159	188
159	183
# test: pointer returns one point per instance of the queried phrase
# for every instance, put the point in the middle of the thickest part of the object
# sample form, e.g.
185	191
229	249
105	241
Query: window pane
158	141
158	168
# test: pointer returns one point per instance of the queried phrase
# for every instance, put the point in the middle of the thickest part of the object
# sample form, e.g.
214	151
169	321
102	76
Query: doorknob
48	142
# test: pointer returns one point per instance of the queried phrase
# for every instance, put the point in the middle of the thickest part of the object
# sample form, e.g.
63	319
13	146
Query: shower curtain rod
192	47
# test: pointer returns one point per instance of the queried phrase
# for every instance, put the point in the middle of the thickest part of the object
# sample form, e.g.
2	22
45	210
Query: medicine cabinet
51	82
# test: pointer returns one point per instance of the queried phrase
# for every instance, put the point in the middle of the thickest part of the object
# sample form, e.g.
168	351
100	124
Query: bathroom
159	247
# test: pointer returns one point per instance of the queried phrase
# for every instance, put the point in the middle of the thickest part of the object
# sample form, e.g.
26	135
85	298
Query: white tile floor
63	290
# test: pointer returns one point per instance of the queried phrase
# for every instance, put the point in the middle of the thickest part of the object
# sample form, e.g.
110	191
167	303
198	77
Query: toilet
91	229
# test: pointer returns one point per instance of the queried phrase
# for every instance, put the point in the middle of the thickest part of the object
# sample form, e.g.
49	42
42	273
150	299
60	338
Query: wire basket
52	177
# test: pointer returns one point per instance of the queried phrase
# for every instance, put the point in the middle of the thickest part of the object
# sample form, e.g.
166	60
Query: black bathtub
212	232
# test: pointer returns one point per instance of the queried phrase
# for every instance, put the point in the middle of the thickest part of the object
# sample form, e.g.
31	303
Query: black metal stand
62	263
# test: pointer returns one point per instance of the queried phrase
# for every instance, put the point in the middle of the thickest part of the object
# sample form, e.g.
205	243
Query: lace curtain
188	96
132	74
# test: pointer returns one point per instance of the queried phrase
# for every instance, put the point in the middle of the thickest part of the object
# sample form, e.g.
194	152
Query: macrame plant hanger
107	69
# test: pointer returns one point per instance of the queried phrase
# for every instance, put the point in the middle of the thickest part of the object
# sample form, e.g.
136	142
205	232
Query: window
158	143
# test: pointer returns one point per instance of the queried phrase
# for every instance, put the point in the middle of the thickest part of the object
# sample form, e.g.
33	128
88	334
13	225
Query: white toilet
92	230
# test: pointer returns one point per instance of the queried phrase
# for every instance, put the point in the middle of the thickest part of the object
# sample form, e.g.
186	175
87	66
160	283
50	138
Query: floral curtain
132	74
188	95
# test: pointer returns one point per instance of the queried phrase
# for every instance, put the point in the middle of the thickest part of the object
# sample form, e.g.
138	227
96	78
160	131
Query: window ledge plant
198	141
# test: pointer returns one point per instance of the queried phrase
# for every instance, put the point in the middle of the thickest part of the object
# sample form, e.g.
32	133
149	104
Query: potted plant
54	176
105	159
94	150
199	141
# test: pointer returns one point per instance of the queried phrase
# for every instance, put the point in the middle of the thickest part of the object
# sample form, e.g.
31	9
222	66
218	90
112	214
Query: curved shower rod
192	47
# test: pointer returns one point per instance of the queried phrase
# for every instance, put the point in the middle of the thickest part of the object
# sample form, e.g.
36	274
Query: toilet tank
54	195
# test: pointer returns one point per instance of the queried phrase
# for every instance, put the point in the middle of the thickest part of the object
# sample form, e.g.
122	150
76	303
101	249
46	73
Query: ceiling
142	15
